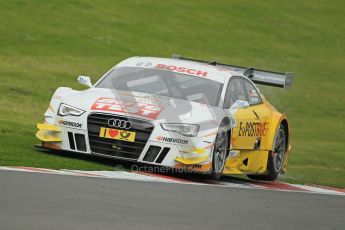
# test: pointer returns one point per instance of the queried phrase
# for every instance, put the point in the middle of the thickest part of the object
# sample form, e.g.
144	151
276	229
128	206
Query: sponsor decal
172	140
144	64
117	134
138	108
240	103
182	70
253	129
70	123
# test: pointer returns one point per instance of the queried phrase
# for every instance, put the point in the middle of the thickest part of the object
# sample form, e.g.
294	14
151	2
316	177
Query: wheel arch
226	120
277	120
285	124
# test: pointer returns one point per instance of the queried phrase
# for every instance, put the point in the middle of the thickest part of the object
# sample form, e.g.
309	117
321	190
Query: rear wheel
275	158
220	153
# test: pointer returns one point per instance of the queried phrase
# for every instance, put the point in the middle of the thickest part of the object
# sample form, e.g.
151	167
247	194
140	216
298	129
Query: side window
235	91
253	94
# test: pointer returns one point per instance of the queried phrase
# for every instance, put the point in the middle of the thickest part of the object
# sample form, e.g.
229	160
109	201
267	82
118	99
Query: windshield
165	83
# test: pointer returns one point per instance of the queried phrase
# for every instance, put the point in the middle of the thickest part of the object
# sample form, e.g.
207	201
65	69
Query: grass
47	44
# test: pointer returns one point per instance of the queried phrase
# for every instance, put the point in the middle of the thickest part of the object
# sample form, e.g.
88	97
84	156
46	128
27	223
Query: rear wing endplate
258	76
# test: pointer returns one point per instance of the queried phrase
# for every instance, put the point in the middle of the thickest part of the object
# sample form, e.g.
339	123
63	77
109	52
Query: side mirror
85	80
239	104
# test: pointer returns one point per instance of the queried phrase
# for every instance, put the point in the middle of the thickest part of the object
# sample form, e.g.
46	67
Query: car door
262	110
236	99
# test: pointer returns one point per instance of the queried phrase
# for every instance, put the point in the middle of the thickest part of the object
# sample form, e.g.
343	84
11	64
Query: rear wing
258	76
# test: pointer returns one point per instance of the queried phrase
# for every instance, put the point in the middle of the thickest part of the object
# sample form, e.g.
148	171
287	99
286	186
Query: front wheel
220	153
275	158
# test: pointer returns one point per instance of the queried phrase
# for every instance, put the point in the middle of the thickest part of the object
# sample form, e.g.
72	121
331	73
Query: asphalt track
44	201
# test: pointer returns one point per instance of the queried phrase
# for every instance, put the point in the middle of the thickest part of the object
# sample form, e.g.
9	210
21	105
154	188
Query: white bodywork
152	108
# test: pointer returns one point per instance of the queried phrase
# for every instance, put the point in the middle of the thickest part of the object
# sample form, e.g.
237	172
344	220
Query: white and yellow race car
175	112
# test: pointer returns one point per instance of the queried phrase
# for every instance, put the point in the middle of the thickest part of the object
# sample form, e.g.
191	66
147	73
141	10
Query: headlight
189	130
65	110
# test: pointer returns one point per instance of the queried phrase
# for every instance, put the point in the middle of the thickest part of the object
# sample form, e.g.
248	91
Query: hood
142	105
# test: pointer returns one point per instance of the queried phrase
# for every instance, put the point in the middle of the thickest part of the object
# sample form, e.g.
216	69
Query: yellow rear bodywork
247	162
253	139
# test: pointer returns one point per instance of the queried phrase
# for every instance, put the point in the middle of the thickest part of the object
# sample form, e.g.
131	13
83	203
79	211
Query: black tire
220	152
275	158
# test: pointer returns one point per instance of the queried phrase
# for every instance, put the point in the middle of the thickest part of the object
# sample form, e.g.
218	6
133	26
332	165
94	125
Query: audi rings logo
121	124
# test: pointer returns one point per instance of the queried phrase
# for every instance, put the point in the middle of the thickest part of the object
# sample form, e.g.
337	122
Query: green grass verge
46	44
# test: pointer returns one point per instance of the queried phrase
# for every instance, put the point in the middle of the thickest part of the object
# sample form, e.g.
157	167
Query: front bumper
194	156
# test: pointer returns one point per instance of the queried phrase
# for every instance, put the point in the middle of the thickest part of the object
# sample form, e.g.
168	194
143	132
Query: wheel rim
220	151
279	150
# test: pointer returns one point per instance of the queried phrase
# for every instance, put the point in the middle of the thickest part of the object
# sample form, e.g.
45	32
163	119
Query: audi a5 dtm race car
175	112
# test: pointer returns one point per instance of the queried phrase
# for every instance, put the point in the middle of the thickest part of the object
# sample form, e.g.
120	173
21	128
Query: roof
193	68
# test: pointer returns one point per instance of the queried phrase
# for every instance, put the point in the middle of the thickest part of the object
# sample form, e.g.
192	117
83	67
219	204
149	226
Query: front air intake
162	155
152	153
71	140
80	142
96	122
